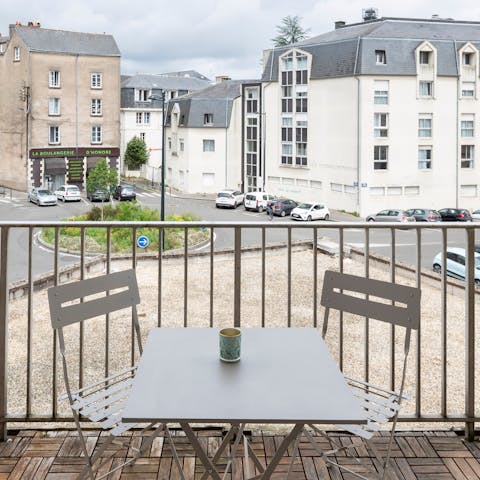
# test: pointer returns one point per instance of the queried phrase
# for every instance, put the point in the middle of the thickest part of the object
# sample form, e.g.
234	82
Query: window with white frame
208	118
424	157
380	57
380	122
182	145
301	69
287	153
425	89
142	95
425	125
142	118
380	157
208	145
468	89
96	134
53	106
16	54
424	57
467	125
2	47
54	135
252	100
96	80
301	102
142	136
467	156
380	96
54	79
96	107
467	58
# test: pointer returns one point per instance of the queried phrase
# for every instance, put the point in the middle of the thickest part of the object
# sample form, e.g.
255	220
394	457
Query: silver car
391	215
42	197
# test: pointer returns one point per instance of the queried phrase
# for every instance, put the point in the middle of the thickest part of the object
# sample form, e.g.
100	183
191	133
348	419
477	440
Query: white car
68	193
229	198
310	211
257	201
456	264
42	196
476	216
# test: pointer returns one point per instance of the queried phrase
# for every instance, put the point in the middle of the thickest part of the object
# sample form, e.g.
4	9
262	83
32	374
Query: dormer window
380	57
424	58
467	58
208	118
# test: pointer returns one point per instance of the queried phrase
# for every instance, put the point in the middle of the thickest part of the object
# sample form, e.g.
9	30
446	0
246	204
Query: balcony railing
265	275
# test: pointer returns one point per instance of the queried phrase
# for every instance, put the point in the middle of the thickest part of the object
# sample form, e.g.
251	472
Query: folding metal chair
103	401
402	308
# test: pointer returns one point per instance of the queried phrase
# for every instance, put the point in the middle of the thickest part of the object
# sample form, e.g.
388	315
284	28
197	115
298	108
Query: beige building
59	105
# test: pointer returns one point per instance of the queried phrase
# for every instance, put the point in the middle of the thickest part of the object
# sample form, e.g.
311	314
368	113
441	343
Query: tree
102	177
136	154
289	31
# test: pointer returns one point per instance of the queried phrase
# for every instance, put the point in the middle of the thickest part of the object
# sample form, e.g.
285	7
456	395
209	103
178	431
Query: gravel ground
198	314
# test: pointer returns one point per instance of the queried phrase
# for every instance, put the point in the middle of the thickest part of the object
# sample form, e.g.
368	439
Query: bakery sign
72	152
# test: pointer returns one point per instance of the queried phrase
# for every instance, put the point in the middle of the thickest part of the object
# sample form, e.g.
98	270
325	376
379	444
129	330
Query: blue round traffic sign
143	241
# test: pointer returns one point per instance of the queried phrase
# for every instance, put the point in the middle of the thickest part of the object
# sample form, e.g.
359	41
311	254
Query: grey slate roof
60	41
217	99
334	54
164	81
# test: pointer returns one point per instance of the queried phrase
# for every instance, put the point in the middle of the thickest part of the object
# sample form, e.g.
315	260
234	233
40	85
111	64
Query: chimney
221	78
339	24
369	14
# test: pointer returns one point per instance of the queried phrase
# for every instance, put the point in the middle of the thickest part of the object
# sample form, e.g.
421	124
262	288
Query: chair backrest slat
405	310
63	315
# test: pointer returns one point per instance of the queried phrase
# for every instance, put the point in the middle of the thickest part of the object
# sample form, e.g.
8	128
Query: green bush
121	238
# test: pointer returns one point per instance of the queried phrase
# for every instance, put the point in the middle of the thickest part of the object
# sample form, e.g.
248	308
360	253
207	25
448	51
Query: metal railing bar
341	326
54	348
315	277
237	277
470	334
185	278
82	333
107	316
444	323
132	323
367	320
289	276
29	322
161	233
212	277
4	231
392	328
418	283
263	275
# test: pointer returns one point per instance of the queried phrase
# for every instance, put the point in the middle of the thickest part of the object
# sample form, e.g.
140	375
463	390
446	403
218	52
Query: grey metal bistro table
285	376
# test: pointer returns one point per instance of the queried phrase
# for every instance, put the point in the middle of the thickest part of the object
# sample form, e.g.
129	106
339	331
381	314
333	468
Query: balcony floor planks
55	455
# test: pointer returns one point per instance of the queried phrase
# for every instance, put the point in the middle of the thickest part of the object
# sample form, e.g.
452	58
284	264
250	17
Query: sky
214	37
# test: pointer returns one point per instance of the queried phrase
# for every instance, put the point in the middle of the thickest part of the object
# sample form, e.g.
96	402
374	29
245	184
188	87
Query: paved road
18	208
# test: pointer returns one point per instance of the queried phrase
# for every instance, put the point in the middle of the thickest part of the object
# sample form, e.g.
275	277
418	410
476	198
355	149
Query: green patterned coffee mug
230	341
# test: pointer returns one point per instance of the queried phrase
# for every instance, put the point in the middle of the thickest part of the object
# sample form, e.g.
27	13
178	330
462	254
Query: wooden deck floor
55	455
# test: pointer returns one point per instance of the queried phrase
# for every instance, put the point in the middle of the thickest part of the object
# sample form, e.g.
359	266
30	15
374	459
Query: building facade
384	113
213	138
59	106
142	111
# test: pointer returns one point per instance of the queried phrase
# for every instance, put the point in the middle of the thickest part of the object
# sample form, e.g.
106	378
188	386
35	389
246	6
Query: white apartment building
142	116
207	134
384	113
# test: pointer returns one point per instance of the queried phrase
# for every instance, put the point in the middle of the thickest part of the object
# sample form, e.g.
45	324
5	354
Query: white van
257	201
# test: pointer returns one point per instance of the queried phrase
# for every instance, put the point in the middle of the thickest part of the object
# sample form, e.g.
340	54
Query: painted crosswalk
149	194
14	202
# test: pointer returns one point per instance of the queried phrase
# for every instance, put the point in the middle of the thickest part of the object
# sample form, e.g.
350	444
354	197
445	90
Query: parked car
124	192
41	197
258	201
68	193
391	215
455	215
229	198
476	216
456	264
310	211
98	195
424	215
283	206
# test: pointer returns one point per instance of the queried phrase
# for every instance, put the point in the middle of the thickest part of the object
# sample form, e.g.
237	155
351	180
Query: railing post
3	330
470	335
237	277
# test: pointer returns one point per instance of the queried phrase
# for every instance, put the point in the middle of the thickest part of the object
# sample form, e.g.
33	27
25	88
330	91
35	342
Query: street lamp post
162	206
